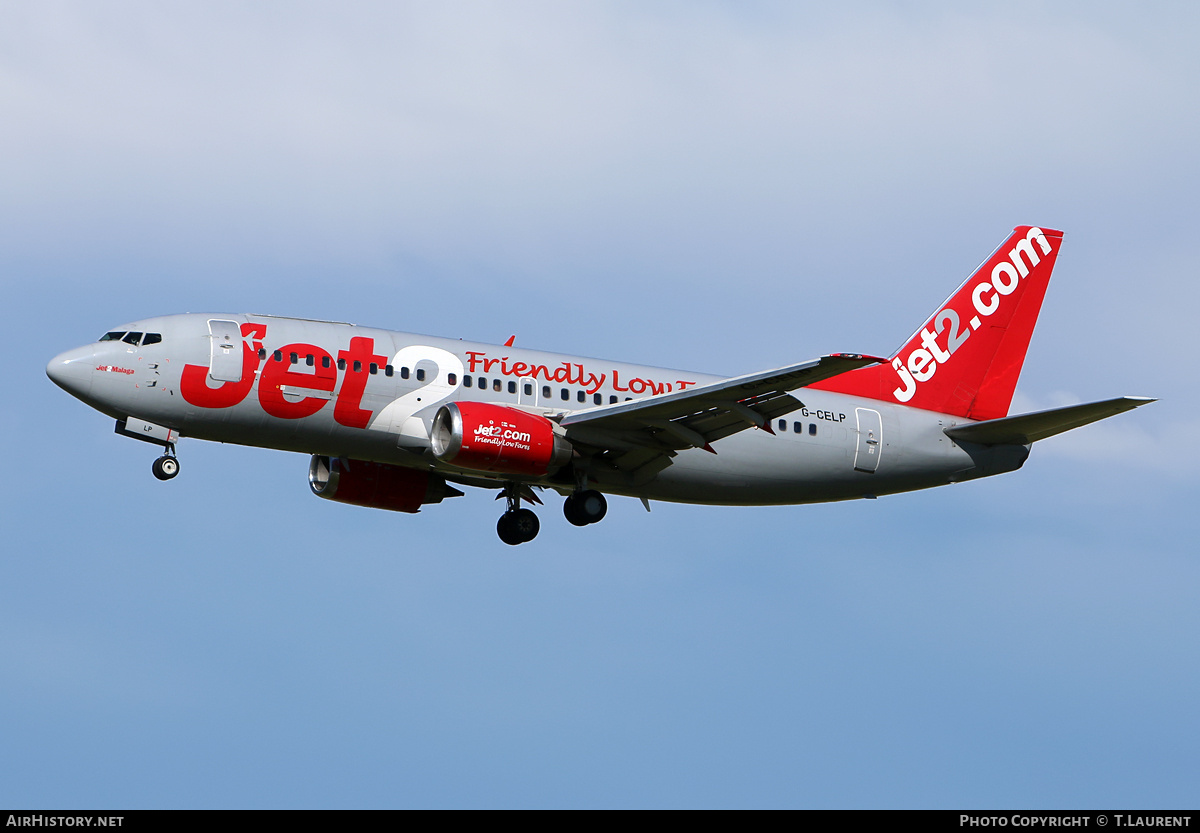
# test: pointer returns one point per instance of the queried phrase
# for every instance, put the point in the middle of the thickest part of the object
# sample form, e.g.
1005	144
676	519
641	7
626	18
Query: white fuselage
353	392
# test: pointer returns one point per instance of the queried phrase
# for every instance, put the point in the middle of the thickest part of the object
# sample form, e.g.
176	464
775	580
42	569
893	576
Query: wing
640	438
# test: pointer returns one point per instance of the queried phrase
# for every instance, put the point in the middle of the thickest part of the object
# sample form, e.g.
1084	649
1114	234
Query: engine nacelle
376	485
496	438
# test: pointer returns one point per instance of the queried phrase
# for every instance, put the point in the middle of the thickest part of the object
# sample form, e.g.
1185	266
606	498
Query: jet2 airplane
397	421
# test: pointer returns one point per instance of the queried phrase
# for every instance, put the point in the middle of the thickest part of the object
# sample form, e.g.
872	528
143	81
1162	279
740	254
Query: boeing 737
398	421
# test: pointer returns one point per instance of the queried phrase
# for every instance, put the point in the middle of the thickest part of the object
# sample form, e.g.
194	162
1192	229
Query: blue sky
724	187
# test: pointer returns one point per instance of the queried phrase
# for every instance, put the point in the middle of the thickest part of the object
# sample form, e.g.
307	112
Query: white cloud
538	127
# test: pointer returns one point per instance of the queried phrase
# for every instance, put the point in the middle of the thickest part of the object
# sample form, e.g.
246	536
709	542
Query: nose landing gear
166	466
517	525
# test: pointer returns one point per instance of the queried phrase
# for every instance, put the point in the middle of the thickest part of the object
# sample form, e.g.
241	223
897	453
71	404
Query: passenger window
466	381
496	385
326	361
528	389
452	379
152	338
374	369
132	338
481	383
512	387
783	425
357	366
420	375
341	362
277	355
388	370
581	396
566	395
546	394
612	400
628	398
112	336
310	360
262	353
812	429
597	398
295	359
404	373
798	427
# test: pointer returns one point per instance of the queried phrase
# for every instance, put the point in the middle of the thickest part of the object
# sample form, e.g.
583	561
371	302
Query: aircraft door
225	359
870	440
527	391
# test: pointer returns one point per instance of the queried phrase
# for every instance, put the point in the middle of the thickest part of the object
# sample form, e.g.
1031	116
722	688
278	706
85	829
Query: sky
724	187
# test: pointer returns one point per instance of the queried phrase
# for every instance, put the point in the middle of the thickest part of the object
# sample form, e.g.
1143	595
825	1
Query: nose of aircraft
72	370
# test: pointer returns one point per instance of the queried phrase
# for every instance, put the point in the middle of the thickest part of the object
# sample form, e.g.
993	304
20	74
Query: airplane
398	421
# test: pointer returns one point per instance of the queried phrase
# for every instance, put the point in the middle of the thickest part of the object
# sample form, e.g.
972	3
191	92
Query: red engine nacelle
496	438
376	485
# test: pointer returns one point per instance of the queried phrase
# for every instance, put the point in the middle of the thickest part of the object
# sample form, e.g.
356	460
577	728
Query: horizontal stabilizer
1029	428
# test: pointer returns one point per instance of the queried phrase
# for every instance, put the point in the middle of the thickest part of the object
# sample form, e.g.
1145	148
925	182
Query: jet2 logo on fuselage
347	410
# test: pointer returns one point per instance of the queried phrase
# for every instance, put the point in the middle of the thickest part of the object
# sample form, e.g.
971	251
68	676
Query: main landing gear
166	466
585	507
517	525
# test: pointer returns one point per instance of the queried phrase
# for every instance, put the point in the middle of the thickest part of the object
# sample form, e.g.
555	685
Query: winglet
510	341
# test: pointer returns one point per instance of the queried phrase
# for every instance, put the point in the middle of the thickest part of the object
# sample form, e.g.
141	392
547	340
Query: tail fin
966	359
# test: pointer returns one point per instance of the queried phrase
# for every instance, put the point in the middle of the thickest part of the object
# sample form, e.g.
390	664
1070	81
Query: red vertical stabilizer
966	358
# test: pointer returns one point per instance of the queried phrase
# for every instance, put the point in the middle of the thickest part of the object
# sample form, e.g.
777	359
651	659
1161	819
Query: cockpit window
133	338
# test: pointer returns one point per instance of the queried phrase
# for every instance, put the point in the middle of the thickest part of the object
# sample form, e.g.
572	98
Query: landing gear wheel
586	507
165	467
526	524
518	526
504	529
572	511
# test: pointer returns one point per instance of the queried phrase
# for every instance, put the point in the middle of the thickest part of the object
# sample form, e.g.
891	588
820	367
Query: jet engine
376	485
496	438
